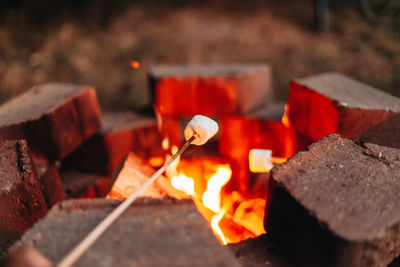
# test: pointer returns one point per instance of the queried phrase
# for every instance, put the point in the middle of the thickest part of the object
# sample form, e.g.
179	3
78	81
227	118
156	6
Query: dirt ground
93	42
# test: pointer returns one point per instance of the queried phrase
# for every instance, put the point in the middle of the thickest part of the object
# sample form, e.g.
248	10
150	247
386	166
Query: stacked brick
228	93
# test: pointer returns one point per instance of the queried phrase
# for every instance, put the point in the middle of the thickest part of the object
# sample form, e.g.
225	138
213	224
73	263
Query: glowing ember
135	64
156	162
247	215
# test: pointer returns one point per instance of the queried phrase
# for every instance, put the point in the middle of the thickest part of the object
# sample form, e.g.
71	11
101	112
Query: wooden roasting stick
198	131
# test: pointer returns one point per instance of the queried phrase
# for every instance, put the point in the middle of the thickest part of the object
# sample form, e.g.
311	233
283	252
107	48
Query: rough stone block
152	233
54	118
337	204
334	103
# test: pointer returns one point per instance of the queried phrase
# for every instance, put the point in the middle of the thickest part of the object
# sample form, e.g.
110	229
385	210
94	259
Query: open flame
232	217
183	183
212	196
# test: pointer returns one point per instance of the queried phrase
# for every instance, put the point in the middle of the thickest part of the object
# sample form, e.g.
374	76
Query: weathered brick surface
260	251
49	177
334	103
211	90
121	133
21	199
78	184
54	118
337	204
152	233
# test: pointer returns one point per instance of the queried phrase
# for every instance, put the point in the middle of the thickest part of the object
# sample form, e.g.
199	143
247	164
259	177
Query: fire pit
228	180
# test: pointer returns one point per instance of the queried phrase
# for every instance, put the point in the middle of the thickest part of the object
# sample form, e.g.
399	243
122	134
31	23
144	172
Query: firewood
136	172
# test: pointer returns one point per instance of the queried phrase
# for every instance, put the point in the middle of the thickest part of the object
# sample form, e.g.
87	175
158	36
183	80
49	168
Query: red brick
49	177
211	90
334	103
54	118
84	185
121	133
21	199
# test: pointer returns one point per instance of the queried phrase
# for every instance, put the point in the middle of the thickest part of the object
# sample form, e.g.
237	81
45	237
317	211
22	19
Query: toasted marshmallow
260	160
202	128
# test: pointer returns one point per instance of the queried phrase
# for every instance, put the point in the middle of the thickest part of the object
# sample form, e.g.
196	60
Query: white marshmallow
202	127
260	160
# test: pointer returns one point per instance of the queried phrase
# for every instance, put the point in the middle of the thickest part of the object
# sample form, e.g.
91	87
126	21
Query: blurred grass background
93	42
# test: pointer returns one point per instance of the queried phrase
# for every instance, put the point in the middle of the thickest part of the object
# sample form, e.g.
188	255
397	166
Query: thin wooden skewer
84	245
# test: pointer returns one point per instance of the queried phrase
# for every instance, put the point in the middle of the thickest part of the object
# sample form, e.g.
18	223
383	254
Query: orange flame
216	228
212	196
135	64
285	117
204	179
232	216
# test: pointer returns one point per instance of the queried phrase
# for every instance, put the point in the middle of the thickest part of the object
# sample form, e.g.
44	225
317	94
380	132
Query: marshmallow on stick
261	160
202	128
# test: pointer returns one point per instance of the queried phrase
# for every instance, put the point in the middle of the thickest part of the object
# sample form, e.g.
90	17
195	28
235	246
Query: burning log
333	103
84	185
54	118
211	90
133	174
49	177
337	204
151	233
121	133
21	199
